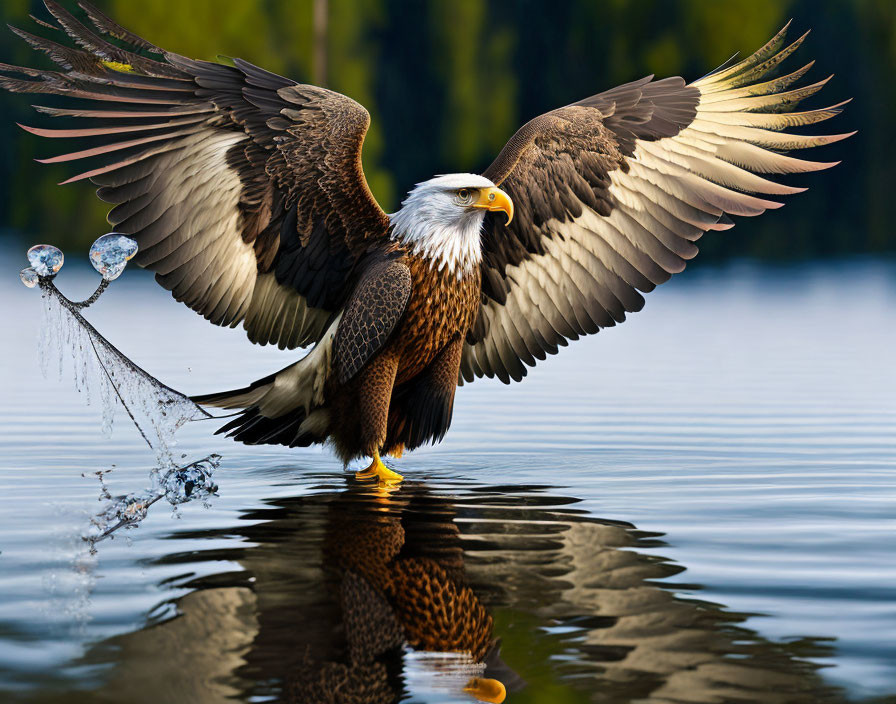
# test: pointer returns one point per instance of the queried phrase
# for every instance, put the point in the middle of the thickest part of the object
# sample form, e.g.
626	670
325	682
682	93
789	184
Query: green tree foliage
448	81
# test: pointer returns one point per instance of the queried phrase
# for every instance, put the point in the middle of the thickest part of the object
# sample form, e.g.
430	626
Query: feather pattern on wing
612	192
371	315
243	189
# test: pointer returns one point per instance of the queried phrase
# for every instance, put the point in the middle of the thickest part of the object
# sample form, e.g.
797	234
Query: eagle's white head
441	219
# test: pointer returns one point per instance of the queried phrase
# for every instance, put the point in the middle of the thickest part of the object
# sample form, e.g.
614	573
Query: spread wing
611	193
243	189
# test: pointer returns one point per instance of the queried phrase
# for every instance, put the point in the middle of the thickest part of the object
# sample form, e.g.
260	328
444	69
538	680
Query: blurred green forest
447	82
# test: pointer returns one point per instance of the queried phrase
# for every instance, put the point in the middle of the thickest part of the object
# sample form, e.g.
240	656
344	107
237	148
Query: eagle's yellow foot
486	690
382	473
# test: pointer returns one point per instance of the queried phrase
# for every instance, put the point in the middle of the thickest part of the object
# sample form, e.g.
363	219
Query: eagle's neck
454	245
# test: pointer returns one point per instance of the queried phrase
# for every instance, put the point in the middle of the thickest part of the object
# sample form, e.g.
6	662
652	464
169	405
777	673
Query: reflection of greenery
525	649
447	82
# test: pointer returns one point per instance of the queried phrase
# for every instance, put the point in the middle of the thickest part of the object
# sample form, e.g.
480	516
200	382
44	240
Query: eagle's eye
464	196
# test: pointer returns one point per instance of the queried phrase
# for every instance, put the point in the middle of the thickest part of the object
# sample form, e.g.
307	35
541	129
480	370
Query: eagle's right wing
612	192
243	189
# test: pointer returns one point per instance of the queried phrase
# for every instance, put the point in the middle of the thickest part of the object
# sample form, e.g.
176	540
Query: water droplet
192	482
133	508
29	277
46	259
110	254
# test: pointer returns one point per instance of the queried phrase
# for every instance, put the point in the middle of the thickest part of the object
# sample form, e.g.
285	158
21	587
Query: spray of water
102	371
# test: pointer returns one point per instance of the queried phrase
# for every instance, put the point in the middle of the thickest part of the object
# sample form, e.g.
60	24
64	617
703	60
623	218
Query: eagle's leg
380	471
374	397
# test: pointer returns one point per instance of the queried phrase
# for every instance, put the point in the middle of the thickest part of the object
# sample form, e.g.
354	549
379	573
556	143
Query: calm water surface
695	506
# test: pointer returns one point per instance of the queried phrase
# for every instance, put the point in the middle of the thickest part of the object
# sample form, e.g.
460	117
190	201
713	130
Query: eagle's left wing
611	192
243	189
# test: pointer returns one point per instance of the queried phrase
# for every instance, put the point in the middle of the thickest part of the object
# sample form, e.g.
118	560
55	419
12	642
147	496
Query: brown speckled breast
442	306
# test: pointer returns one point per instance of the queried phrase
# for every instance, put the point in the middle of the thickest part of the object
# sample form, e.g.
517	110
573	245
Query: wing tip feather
834	138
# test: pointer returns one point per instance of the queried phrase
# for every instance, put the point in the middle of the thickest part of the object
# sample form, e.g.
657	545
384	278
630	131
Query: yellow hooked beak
495	199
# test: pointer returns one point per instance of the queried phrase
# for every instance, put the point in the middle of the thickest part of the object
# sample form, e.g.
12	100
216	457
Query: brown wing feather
611	193
371	314
244	190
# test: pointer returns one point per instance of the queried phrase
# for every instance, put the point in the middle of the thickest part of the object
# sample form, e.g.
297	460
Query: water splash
191	482
45	259
179	485
110	254
29	277
101	371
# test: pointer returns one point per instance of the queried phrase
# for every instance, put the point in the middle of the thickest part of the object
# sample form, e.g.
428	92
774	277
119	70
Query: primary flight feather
246	195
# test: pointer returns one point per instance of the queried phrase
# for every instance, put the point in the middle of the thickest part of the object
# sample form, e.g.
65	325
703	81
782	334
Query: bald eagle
246	195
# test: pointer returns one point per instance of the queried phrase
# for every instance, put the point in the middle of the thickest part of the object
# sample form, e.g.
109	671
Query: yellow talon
380	471
486	690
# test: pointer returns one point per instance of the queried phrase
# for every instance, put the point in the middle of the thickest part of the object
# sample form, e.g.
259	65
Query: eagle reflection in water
446	594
